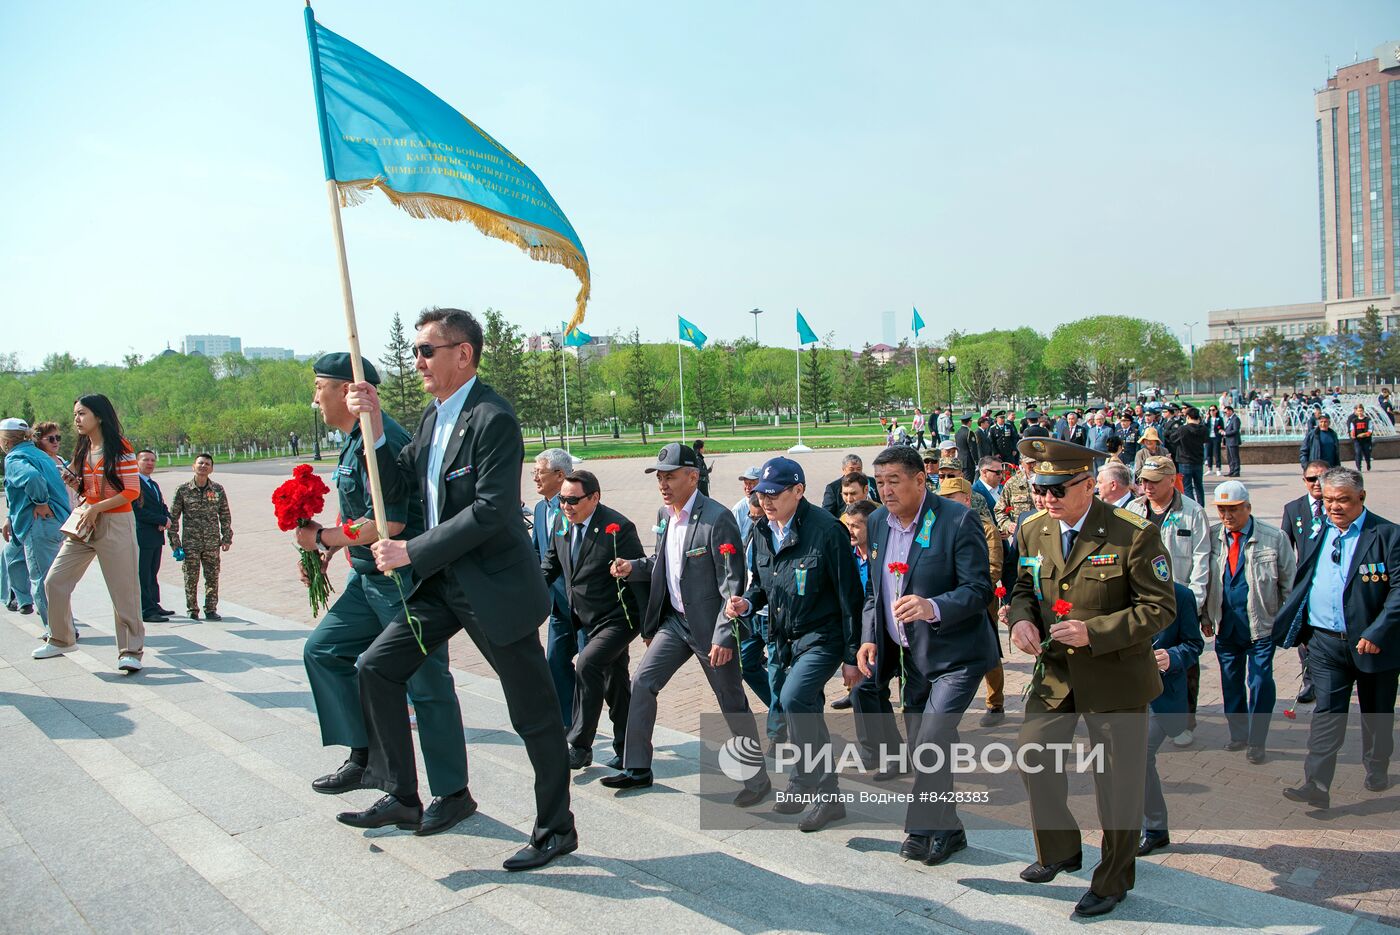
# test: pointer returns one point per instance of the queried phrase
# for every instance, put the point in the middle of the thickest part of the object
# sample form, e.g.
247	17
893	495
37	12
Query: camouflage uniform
979	502
1015	499
206	526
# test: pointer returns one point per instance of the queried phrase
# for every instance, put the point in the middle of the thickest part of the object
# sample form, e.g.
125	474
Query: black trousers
1232	454
440	609
1333	675
602	677
147	568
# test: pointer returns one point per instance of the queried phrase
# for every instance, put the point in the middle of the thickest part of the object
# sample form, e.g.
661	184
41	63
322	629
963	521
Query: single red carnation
612	529
1061	607
727	548
899	568
1000	591
351	530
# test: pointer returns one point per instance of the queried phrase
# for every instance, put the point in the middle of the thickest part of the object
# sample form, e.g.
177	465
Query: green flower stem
415	625
620	586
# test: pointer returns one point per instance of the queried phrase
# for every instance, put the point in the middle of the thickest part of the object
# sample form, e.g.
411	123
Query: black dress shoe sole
338	790
425	829
629	784
370	826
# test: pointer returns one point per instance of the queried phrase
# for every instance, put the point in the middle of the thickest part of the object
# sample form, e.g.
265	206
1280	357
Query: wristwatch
320	544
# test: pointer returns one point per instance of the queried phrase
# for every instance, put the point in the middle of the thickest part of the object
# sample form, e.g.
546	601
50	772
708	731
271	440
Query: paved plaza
178	800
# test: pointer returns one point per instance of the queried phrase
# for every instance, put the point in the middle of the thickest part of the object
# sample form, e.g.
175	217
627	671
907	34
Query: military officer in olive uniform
367	604
1095	659
200	523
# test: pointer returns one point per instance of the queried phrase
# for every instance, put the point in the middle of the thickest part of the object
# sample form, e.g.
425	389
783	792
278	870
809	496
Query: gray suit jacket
708	579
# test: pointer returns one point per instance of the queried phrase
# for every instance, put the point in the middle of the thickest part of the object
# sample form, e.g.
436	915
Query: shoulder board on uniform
1141	522
1035	516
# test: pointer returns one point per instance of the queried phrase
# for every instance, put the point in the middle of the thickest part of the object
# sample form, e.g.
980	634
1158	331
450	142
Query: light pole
1191	344
613	394
315	432
949	366
755	312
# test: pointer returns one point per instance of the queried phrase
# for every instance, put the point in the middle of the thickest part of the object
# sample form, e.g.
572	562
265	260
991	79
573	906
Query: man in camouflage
1015	498
200	524
952	467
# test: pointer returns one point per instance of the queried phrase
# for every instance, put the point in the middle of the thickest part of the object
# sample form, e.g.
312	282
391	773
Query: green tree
64	363
1371	353
1092	354
704	386
816	385
503	357
875	379
400	387
772	374
849	386
1215	360
641	381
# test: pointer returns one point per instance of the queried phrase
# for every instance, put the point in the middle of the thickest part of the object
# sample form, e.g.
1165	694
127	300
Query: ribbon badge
801	574
923	537
1033	563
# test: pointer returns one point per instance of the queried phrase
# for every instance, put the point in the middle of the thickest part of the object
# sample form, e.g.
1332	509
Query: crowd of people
1084	537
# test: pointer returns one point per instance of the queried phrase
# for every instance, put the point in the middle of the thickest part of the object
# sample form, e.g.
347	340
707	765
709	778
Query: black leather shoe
1309	794
349	777
615	762
1091	904
210	615
842	704
1306	696
1377	783
387	811
945	845
748	798
163	612
154	618
1255	755
535	855
791	804
1152	841
445	811
916	847
26	608
1236	746
580	757
629	779
820	815
992	718
1040	873
12	606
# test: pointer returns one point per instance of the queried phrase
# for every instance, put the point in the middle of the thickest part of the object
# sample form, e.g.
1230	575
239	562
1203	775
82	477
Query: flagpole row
357	367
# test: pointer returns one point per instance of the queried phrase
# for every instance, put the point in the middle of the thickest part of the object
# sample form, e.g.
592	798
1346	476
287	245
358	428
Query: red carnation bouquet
296	503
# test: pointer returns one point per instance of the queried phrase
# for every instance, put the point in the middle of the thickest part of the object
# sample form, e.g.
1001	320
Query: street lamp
949	366
755	312
613	394
1190	343
315	432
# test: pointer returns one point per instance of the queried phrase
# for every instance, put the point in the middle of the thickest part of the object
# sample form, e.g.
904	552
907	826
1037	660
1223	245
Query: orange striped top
96	487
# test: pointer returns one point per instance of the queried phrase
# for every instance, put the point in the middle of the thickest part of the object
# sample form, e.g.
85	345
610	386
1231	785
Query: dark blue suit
1183	642
563	642
150	513
945	661
1371	611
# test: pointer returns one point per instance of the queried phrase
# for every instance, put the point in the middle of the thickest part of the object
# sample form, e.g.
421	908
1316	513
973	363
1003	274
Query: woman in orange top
105	475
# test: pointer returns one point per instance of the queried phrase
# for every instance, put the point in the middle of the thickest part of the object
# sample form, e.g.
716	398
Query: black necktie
1067	537
573	546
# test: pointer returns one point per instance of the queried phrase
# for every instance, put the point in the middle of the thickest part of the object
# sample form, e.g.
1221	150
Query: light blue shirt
741	516
447	412
1329	579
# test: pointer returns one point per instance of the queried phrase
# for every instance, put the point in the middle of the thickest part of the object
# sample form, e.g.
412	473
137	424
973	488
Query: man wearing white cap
1251	570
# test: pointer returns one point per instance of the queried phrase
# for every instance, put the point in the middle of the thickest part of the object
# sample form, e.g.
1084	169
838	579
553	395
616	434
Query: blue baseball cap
779	474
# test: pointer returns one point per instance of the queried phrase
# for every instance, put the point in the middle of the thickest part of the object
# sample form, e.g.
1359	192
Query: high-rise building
269	353
213	345
887	328
1358	167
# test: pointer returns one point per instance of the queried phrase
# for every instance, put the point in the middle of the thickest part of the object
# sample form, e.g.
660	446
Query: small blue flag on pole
381	129
576	337
918	322
805	334
689	332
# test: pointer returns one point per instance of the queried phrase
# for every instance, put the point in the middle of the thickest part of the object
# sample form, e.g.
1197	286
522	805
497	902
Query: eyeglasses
426	351
1312	478
1058	490
53	438
574	501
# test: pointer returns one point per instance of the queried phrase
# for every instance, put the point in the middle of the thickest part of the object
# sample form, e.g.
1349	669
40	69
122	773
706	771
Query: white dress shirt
677	528
448	412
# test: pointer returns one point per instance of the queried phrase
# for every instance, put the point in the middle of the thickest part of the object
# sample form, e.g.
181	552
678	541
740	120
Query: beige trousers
113	544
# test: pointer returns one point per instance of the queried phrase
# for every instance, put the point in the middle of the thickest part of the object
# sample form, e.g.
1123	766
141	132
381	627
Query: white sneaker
129	664
50	650
1182	739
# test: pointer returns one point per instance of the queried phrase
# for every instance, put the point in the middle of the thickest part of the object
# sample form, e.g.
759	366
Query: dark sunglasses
426	351
53	438
1337	554
1312	478
573	501
1058	490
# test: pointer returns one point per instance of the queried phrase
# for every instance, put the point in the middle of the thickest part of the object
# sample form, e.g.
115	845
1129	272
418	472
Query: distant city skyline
1022	164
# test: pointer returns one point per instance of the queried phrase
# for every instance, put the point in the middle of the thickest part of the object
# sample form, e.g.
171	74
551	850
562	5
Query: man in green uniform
1015	498
1094	658
368	602
201	525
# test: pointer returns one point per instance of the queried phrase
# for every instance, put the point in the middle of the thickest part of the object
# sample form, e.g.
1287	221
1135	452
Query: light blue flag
381	129
805	334
691	333
576	337
918	322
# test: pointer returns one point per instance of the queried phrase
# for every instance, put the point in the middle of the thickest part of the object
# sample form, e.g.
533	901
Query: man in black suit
1345	606
932	618
474	569
697	568
1230	431
1073	431
968	449
152	519
1302	519
585	539
832	501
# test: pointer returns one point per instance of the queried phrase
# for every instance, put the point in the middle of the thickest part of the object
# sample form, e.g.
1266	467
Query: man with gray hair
1345	605
561	645
831	497
1115	484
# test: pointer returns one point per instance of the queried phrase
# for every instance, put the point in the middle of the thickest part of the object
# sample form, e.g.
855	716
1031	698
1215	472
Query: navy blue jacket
150	513
1183	642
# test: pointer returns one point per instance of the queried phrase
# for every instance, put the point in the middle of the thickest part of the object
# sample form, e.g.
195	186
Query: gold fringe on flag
539	243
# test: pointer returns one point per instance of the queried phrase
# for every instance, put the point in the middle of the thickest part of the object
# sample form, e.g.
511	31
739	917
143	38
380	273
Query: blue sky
993	164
